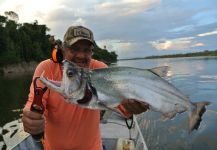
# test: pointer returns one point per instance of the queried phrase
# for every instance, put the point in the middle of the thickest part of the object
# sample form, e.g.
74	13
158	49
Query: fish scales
126	80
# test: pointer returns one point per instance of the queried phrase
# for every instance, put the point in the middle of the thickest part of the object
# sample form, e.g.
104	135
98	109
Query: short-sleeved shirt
67	126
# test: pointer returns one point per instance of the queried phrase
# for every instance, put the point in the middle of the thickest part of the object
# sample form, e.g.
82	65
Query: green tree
104	55
29	42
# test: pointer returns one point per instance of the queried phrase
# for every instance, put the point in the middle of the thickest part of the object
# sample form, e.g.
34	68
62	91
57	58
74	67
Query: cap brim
74	40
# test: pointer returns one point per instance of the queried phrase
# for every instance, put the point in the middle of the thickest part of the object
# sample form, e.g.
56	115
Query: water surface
195	77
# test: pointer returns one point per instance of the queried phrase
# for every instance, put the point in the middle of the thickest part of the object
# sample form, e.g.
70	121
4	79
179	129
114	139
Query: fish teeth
42	74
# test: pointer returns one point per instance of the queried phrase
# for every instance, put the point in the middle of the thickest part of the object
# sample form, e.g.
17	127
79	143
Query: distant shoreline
168	57
18	69
196	54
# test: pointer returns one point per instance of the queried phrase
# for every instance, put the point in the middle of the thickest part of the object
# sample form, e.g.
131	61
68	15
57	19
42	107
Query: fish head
72	80
73	84
76	84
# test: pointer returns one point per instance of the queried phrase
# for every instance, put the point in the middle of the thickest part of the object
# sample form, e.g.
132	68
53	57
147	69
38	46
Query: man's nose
81	54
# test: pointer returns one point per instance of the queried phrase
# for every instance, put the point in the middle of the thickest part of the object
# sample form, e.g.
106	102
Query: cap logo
82	33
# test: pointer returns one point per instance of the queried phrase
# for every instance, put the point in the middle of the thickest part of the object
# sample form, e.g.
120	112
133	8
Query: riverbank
195	54
23	68
18	69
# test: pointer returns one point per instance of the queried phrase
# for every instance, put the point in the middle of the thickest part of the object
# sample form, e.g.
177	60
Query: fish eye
70	72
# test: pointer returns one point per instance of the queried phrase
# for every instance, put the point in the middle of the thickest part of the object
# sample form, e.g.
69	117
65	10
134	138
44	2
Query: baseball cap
76	33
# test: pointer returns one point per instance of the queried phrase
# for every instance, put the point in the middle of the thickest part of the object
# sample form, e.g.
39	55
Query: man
68	126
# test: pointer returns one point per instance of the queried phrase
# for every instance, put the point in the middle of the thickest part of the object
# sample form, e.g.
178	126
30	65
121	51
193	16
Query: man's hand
33	122
134	106
128	107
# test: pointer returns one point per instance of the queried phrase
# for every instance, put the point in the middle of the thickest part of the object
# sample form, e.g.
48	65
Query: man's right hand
33	122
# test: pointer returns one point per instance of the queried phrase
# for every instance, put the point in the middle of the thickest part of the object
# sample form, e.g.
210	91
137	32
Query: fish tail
195	116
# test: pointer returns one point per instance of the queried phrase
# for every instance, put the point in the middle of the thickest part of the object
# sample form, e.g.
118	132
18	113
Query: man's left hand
128	107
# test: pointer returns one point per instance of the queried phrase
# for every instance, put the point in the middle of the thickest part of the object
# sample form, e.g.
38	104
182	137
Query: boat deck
112	130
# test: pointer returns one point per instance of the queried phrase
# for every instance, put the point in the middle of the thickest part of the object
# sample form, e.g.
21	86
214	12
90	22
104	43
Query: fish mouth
54	85
72	94
87	95
52	82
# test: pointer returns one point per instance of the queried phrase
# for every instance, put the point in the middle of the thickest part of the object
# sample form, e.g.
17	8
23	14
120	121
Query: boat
117	134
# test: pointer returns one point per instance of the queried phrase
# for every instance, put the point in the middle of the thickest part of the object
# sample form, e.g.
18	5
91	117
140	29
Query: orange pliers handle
37	105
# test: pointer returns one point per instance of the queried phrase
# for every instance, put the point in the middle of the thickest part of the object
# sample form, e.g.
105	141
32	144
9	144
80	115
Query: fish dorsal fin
161	71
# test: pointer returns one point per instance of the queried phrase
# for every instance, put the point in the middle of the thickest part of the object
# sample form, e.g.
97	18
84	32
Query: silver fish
107	87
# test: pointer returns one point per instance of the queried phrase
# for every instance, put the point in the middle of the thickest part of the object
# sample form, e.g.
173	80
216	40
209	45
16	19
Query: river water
195	77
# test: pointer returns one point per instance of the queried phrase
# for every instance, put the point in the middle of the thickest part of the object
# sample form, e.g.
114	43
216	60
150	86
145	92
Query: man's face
79	53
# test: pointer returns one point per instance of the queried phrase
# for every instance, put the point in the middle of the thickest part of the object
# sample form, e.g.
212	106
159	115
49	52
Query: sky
131	28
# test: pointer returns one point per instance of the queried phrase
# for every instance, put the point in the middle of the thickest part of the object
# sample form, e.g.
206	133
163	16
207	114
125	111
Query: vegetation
22	42
104	55
195	54
29	42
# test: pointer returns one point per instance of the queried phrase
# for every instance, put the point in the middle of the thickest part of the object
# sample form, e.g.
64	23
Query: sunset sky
131	28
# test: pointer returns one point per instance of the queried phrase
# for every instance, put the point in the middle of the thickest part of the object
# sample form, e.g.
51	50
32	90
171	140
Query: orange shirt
67	126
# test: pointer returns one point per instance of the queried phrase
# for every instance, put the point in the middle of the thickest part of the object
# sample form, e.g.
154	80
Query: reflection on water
195	77
13	94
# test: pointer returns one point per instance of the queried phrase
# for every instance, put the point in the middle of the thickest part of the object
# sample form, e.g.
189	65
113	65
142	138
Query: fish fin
94	105
161	71
106	107
195	116
180	109
168	115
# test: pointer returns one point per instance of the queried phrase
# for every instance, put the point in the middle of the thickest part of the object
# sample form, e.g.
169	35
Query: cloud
208	33
29	11
127	49
198	45
173	44
117	45
124	7
185	28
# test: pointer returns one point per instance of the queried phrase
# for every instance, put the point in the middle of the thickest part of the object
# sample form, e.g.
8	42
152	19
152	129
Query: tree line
194	54
29	42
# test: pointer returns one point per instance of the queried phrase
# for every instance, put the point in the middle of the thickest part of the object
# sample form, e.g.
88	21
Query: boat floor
111	130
